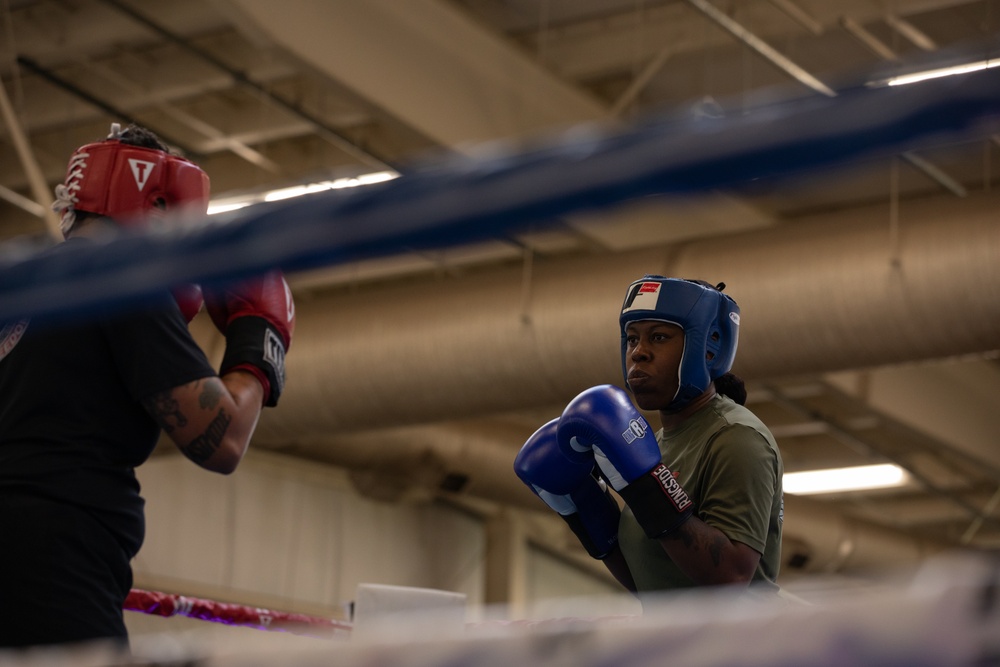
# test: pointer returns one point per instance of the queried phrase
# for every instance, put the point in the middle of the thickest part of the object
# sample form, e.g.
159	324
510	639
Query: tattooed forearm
682	535
211	392
166	411
708	556
201	448
715	547
701	542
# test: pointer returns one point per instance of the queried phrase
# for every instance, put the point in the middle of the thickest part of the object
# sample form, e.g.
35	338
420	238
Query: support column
506	562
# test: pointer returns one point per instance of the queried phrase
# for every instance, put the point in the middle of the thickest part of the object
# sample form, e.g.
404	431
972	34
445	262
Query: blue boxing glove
603	420
569	488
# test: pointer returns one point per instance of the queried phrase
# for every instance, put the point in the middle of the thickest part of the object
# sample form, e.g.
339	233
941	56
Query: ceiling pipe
407	464
385	361
455	462
835	293
831	293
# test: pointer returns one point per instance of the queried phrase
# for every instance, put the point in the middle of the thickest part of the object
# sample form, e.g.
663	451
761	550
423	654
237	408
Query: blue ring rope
465	200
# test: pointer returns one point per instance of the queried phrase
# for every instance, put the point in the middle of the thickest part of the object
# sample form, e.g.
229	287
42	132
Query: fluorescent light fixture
834	480
295	191
223	207
940	72
232	204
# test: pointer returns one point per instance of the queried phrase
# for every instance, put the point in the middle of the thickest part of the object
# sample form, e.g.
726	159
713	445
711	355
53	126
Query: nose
639	352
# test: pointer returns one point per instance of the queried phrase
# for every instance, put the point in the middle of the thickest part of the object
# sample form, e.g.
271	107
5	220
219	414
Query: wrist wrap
658	501
255	342
596	525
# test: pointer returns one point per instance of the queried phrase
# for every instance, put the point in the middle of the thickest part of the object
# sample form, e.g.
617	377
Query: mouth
637	380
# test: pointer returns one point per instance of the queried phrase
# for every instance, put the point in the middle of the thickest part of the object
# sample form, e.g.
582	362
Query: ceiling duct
844	292
376	368
421	462
413	464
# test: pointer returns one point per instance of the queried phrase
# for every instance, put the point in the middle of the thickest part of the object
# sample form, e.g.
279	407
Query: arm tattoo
713	545
166	411
210	395
715	548
201	448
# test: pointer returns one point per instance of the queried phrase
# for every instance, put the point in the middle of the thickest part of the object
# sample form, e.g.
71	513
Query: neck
671	420
92	227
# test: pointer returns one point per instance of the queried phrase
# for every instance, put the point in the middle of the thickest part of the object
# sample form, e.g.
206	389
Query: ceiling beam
332	135
429	65
762	48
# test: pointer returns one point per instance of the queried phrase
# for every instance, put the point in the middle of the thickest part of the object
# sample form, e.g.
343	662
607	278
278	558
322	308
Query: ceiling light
295	191
833	480
938	73
232	204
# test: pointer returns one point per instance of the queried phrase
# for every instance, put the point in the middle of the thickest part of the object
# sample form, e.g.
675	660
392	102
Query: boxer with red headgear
83	403
133	179
129	177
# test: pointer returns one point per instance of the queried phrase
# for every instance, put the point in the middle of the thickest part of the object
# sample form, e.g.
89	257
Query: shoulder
737	418
738	425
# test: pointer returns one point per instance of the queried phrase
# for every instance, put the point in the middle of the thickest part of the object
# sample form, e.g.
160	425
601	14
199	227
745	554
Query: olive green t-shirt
730	466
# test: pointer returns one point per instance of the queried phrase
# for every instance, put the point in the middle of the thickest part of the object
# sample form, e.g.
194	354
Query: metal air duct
843	292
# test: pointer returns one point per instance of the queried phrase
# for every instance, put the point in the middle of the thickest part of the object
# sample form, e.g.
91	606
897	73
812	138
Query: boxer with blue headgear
710	321
703	494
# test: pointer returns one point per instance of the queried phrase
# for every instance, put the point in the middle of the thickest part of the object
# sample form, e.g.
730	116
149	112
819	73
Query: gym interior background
869	289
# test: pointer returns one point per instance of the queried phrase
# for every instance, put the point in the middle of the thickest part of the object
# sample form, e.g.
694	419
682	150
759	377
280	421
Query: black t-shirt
72	428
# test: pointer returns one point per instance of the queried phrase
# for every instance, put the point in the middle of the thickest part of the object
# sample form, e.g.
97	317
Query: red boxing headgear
127	183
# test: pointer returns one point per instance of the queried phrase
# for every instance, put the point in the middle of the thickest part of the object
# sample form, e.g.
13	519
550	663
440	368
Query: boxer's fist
546	471
268	297
569	489
257	317
604	419
603	422
189	300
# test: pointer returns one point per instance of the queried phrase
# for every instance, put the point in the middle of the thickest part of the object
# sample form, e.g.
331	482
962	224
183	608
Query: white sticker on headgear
645	295
141	169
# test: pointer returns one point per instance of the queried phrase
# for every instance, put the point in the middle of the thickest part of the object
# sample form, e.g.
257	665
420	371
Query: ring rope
169	604
157	603
471	199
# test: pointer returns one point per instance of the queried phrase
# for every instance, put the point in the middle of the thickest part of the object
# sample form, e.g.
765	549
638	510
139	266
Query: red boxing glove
189	299
257	317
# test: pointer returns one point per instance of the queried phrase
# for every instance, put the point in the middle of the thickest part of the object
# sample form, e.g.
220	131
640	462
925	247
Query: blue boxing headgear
709	318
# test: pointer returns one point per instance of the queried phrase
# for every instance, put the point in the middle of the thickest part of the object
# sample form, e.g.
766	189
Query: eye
631	340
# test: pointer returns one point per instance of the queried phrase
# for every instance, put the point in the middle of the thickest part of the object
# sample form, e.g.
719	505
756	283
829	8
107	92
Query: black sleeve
153	350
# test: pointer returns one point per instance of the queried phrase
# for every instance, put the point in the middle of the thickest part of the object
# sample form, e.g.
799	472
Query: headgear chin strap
709	318
128	183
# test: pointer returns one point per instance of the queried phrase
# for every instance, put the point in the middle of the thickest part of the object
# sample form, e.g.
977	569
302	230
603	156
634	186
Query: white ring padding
406	613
